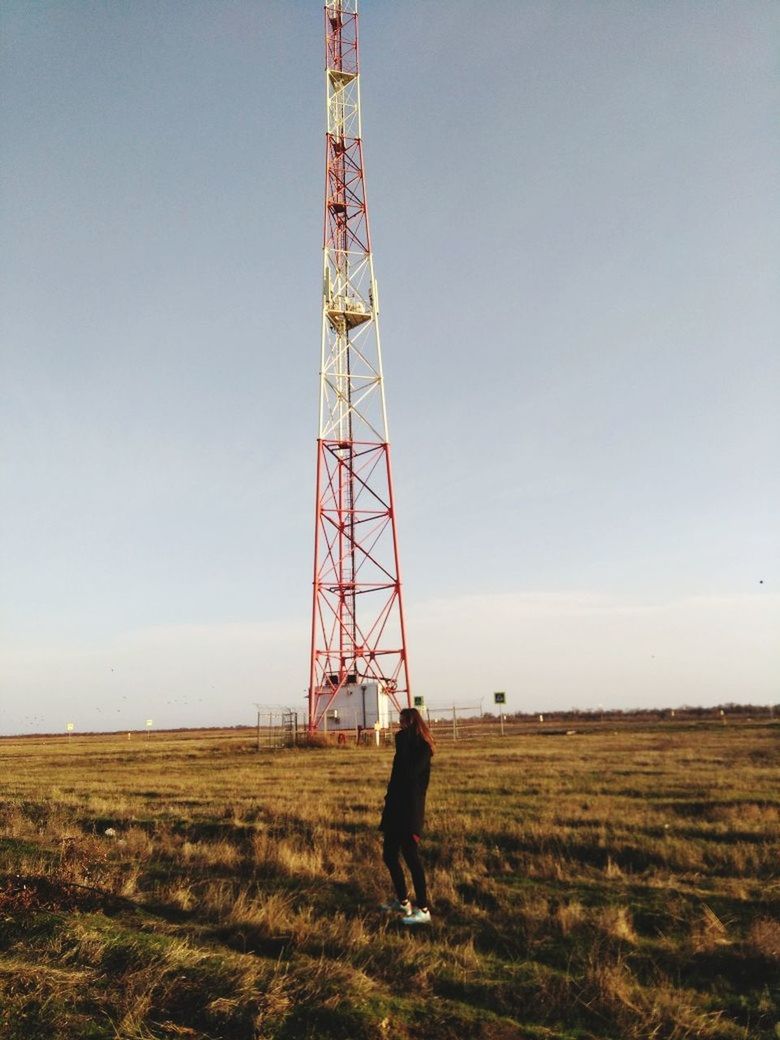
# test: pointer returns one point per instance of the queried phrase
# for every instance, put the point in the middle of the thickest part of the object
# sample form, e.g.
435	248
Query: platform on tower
346	312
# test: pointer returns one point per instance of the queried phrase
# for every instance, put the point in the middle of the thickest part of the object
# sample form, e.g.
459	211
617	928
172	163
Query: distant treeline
687	711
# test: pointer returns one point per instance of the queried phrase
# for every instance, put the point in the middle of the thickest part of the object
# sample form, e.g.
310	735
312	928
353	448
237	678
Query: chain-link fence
467	722
277	729
458	722
282	727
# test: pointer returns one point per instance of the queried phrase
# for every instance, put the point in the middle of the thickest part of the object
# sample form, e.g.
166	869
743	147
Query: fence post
454	725
258	729
501	714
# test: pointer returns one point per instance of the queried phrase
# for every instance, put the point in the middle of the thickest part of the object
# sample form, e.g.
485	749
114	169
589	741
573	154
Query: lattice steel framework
357	631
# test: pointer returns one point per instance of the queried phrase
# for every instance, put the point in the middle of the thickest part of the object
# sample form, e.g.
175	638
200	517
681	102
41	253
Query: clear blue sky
575	219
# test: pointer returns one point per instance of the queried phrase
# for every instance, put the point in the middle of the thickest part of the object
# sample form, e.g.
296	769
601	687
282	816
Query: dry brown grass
608	886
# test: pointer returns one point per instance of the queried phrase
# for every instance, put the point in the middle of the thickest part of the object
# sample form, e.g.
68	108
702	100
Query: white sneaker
396	907
417	916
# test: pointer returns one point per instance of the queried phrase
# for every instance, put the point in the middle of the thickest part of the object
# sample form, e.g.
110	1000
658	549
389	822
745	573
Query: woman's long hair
410	718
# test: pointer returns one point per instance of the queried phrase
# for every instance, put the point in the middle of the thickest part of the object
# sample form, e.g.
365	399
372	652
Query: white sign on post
70	727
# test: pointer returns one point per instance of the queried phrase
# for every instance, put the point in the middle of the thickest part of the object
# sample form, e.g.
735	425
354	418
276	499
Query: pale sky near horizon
576	226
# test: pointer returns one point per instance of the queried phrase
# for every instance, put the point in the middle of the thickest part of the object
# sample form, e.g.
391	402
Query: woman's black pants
395	844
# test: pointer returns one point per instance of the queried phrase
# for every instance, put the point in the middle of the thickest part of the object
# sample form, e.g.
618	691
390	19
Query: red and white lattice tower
358	637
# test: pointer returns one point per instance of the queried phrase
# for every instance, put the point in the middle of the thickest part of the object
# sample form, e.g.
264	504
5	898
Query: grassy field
602	885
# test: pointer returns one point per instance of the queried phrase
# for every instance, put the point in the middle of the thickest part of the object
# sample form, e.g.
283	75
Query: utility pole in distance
258	726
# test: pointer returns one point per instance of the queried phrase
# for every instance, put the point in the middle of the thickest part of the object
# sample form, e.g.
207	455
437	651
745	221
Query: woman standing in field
404	815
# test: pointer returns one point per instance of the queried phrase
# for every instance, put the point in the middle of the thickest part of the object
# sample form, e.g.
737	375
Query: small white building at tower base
357	705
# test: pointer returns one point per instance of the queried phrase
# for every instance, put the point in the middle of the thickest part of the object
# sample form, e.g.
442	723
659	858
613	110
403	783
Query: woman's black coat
404	811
